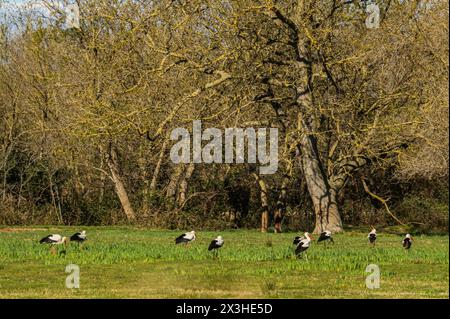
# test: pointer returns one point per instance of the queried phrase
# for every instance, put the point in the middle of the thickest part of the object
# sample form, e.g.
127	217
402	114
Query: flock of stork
57	239
302	243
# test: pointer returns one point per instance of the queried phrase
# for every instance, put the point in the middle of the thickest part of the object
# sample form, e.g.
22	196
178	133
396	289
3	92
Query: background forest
86	113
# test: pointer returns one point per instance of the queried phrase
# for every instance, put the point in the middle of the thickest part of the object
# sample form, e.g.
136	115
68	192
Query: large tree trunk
264	203
52	193
119	185
158	167
172	187
102	177
322	194
184	183
281	203
327	212
142	164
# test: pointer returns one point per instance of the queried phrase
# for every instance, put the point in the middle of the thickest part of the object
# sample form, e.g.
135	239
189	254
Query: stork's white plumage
303	244
216	244
372	236
407	241
185	238
79	237
325	236
54	239
298	239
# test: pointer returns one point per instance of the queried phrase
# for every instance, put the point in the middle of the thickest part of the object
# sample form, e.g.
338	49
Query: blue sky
9	11
8	7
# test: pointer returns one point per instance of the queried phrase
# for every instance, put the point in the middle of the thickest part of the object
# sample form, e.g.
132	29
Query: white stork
185	238
325	237
297	240
54	240
79	237
216	244
302	243
372	236
407	241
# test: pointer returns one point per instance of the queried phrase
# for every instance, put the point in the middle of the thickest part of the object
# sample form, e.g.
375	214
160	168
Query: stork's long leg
329	241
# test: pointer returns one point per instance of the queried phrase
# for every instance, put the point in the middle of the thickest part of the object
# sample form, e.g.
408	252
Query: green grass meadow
125	262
